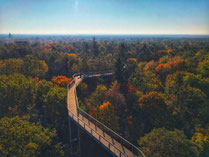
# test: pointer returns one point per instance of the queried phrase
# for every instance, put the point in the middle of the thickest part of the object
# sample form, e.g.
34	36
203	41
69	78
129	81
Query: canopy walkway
110	140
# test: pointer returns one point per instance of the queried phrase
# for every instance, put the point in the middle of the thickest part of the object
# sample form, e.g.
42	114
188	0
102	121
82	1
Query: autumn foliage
72	55
131	88
152	101
61	81
132	60
106	114
171	66
150	66
165	51
104	105
160	68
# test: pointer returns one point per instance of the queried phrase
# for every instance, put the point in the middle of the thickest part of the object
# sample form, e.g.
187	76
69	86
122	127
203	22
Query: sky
104	16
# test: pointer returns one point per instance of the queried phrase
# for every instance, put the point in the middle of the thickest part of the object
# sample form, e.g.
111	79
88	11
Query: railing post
70	137
79	144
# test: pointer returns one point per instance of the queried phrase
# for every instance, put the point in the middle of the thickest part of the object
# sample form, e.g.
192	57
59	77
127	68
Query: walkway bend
113	142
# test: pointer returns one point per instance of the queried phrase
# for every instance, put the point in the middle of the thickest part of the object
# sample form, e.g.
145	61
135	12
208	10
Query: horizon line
99	34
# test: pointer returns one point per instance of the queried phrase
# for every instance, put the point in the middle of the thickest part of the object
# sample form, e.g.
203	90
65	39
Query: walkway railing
113	134
124	143
100	138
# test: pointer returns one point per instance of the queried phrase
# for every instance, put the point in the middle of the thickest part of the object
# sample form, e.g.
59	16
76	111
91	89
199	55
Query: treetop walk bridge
110	140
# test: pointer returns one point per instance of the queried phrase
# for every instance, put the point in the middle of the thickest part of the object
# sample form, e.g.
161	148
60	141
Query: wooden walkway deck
113	142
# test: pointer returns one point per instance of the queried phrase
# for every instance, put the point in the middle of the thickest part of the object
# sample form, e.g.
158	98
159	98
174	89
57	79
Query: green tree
154	110
99	94
121	74
203	68
55	112
43	88
164	143
95	49
34	67
115	97
106	114
17	91
10	66
137	79
20	138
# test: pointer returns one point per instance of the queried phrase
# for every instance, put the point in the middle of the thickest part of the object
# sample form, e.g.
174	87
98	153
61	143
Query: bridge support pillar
74	139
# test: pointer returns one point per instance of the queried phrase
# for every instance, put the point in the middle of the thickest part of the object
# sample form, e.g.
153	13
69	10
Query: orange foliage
170	66
176	64
165	51
62	81
160	67
109	54
104	105
151	99
132	60
114	84
73	55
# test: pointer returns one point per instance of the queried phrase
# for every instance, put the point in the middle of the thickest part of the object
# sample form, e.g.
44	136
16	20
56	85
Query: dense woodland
158	97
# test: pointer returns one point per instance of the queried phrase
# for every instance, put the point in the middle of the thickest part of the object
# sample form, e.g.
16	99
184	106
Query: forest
158	97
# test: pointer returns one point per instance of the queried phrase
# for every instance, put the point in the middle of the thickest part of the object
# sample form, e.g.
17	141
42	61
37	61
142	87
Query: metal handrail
117	137
93	130
92	73
113	134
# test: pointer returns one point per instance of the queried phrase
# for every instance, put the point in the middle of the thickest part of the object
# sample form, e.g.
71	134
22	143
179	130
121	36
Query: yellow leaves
84	85
201	138
101	88
132	60
150	66
114	85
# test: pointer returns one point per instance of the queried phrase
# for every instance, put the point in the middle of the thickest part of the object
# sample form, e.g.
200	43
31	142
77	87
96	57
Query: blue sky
104	16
